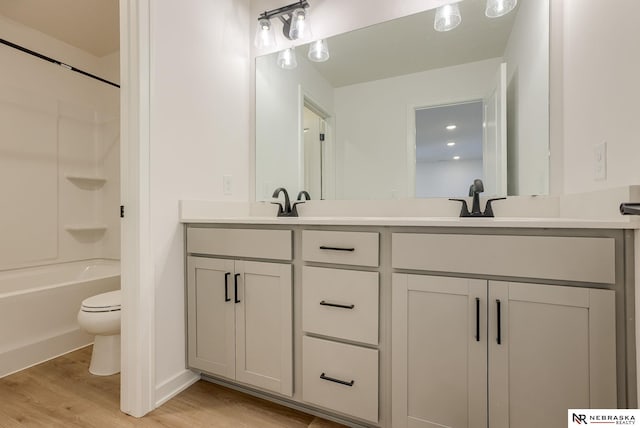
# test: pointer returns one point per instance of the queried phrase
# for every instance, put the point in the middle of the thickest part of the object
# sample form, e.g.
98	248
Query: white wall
446	179
601	91
278	121
372	161
55	123
527	58
199	132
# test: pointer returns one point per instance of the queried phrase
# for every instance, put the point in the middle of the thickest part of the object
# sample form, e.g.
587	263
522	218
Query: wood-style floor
62	393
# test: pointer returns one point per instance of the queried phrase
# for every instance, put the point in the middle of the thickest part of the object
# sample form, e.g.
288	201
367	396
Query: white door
551	348
494	146
211	333
439	352
264	326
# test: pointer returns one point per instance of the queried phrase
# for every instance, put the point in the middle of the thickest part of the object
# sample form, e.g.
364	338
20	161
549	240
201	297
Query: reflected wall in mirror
357	126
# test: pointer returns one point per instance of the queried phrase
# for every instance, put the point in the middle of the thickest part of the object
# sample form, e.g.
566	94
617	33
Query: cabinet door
554	350
210	320
439	352
264	329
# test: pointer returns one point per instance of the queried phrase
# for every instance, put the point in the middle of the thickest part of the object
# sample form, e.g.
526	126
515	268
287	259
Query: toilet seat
105	302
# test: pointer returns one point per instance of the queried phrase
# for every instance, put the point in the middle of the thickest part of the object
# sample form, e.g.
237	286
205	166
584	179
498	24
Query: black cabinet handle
477	319
337	305
324	247
235	288
341	382
226	287
499	338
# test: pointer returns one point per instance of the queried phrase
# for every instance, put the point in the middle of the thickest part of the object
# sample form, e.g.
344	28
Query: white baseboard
174	386
21	358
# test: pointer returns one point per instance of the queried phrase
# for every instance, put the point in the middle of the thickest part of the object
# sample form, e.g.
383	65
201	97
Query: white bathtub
38	309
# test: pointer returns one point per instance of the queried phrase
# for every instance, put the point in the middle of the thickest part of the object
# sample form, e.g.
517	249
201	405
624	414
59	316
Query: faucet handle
488	209
280	209
464	210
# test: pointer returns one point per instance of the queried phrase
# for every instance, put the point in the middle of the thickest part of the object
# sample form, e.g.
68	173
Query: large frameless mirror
400	110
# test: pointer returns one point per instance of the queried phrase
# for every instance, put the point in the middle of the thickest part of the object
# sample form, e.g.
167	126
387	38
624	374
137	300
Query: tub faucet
286	210
474	190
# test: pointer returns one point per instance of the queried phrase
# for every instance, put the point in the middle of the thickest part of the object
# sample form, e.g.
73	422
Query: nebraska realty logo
581	417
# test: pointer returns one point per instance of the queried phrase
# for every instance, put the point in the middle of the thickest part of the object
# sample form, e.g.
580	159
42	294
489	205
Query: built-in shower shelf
87	181
85	227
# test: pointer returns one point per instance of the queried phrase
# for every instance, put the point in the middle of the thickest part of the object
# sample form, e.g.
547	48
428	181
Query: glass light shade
287	59
265	36
447	17
497	8
319	51
299	27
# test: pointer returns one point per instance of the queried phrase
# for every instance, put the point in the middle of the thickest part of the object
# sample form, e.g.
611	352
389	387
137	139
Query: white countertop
597	211
496	222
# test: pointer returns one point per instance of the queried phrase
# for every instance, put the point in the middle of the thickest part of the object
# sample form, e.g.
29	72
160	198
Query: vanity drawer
582	259
340	303
340	377
251	243
346	248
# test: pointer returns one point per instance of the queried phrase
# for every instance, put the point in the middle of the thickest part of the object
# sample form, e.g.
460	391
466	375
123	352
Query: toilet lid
105	302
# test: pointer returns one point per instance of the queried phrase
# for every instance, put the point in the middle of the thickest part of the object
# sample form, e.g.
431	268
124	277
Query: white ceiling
432	135
90	25
410	44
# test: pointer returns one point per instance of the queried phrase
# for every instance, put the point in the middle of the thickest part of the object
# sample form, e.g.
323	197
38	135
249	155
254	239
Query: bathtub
39	305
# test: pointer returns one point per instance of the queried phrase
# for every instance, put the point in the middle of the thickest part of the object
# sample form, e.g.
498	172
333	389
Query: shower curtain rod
55	61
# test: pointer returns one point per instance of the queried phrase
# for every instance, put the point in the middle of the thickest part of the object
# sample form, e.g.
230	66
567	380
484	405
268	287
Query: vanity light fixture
319	51
295	24
447	17
456	158
450	127
451	143
265	37
287	59
498	8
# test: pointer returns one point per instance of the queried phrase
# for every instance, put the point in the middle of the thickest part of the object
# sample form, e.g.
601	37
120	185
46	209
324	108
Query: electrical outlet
600	161
227	184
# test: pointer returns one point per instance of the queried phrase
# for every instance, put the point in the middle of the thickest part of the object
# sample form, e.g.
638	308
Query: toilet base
105	358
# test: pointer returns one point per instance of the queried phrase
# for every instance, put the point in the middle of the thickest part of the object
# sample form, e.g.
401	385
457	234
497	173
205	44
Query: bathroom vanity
409	322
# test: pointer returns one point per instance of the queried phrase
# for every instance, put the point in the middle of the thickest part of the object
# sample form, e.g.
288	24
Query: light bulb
318	51
498	8
447	17
299	27
287	59
264	34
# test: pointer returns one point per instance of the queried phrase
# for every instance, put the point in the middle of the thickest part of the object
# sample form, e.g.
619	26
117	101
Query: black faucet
474	190
305	194
289	210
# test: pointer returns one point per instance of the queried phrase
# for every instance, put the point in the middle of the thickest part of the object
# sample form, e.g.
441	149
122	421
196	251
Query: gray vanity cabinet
467	352
239	312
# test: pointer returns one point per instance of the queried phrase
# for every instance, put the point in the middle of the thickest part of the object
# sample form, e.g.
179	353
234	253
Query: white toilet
100	315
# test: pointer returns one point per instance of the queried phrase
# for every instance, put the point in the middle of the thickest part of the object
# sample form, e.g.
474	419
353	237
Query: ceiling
410	44
432	135
90	25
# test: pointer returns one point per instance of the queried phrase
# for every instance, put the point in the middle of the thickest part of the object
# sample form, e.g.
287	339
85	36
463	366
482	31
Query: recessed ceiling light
451	127
456	157
451	143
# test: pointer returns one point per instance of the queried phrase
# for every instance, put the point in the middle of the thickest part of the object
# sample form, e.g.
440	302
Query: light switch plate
600	161
227	184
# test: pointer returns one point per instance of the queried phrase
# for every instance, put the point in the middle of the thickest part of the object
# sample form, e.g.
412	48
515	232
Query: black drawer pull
337	305
341	382
499	338
477	319
235	288
226	287
324	247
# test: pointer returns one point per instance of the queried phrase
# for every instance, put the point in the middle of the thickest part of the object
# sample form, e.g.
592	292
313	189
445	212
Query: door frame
412	133
137	385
